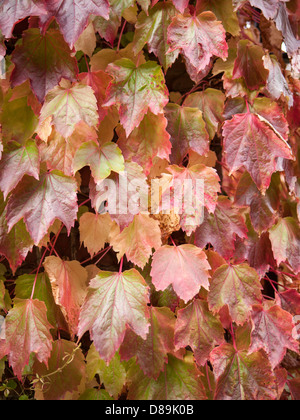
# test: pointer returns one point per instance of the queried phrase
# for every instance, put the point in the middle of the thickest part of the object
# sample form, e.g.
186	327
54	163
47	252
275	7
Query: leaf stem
120	36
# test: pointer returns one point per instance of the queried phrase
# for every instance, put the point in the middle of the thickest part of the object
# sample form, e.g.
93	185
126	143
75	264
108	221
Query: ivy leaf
180	5
272	331
66	368
12	11
198	328
236	286
211	104
138	239
223	9
187	130
113	376
16	163
249	65
152	28
141	148
180	380
41	201
95	231
102	159
198	38
135	90
190	265
68	105
69	284
250	142
276	82
221	228
152	352
285	240
241	376
16	243
72	15
43	59
27	331
114	301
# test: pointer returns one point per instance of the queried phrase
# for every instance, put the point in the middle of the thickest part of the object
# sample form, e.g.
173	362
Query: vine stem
121	265
233	337
120	36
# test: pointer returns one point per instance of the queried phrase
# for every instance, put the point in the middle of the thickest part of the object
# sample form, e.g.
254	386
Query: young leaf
272	331
114	301
102	159
184	266
40	202
198	38
27	331
43	59
152	352
135	90
198	328
285	240
236	286
68	105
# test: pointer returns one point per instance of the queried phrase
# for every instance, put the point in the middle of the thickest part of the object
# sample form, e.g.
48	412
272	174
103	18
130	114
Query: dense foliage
101	303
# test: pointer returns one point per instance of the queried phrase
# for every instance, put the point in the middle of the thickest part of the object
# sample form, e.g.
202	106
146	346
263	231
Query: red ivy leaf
184	266
42	201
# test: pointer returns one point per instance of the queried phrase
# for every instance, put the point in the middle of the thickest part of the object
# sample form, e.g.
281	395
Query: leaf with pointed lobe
221	228
114	301
249	65
223	9
135	90
63	376
187	130
198	328
40	202
294	387
180	380
68	281
285	240
237	286
17	162
107	29
12	11
147	141
290	301
58	152
250	142
272	331
72	15
138	239
95	230
43	59
152	352
87	40
102	159
198	38
27	331
211	103
184	266
16	243
68	105
240	376
277	85
152	29
104	57
112	376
